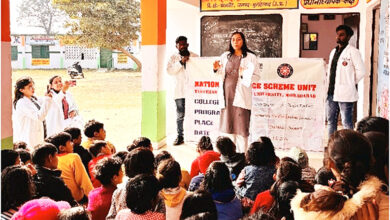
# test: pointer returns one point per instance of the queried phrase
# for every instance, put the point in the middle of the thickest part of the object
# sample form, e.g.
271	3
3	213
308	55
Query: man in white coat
177	68
345	70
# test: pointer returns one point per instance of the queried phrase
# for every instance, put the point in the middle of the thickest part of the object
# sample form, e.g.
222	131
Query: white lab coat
250	74
55	121
350	70
177	70
27	120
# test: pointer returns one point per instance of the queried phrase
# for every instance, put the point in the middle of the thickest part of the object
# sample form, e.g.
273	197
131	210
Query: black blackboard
263	33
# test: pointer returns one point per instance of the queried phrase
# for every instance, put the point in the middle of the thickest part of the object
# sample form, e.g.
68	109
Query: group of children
65	178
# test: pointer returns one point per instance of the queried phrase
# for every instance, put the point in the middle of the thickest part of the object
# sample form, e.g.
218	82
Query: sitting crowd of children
65	178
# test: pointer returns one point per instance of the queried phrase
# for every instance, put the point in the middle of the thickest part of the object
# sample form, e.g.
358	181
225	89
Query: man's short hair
181	38
91	127
347	29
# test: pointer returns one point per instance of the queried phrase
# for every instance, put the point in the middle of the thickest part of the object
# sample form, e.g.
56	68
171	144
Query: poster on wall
288	102
122	58
317	4
41	40
383	62
221	5
40	62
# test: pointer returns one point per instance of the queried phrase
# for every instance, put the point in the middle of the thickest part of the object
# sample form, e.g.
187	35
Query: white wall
184	19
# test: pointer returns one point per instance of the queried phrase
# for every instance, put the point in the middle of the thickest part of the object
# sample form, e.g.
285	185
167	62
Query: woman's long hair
351	153
51	82
17	187
20	84
244	47
217	178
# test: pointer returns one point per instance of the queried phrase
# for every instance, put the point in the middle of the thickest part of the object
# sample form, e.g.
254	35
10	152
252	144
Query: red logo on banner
285	70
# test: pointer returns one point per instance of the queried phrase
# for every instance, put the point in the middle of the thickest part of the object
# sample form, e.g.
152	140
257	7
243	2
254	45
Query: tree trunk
139	65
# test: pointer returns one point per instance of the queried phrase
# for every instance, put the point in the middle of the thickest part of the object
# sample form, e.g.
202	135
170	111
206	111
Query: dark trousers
180	109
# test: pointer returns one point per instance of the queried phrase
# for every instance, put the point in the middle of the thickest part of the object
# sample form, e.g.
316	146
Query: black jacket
49	183
235	163
84	155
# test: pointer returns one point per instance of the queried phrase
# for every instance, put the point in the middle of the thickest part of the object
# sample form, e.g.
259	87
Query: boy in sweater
73	171
48	181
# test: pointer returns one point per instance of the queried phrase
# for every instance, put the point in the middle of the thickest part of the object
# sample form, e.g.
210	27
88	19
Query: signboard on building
223	5
40	40
288	103
316	4
40	62
122	58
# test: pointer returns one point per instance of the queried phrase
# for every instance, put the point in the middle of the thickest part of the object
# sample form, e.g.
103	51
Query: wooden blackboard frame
267	17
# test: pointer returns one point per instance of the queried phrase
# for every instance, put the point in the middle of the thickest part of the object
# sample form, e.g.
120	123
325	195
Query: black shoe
179	140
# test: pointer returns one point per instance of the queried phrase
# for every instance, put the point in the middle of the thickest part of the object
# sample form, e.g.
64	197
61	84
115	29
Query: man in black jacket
48	179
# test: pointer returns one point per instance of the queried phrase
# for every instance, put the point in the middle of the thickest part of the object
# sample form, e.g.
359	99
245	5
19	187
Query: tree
111	24
40	13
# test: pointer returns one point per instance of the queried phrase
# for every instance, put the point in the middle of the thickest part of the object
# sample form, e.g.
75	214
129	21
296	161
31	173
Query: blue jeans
180	108
332	113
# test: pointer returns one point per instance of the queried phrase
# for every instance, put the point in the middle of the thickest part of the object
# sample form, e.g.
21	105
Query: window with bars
14	52
79	53
40	51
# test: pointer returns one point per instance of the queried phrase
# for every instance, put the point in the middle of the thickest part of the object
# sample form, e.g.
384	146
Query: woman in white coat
64	111
29	113
238	68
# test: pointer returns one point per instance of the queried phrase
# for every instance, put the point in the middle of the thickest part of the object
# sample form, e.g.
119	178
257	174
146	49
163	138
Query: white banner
288	103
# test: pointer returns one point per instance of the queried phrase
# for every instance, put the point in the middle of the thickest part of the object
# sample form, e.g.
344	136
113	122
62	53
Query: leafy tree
111	24
40	13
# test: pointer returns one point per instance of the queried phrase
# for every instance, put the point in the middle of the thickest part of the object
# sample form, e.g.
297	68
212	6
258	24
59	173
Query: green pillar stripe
153	115
61	62
7	143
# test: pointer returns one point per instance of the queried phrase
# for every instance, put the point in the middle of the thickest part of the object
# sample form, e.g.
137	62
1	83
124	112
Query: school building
52	52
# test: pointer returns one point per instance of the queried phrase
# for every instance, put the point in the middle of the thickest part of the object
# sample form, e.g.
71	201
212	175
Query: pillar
153	30
6	77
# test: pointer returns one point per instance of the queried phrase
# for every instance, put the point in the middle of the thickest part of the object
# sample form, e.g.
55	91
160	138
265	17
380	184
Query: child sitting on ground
185	175
169	176
140	142
75	213
258	175
77	148
98	150
323	177
233	160
204	162
20	145
94	130
25	156
204	147
141	195
300	156
48	181
73	172
109	173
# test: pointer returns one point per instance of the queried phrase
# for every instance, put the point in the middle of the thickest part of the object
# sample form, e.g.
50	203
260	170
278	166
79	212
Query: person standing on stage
177	68
346	69
239	68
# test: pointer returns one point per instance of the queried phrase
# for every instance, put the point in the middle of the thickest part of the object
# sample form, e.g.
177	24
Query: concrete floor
186	153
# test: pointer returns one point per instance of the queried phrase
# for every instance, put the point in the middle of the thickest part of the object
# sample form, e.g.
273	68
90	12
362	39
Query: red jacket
263	201
96	183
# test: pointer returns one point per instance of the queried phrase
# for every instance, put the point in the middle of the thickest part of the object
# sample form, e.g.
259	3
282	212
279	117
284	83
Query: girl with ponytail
355	188
29	113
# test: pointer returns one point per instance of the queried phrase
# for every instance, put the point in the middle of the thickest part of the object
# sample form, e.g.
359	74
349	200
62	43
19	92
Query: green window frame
14	53
40	51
